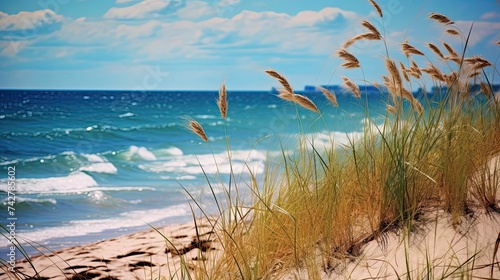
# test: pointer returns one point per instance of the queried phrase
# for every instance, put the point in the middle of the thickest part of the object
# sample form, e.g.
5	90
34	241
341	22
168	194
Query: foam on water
74	182
83	227
21	199
141	153
126	115
94	158
101	167
241	162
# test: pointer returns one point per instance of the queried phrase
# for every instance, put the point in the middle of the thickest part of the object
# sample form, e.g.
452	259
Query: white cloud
196	10
481	31
491	15
228	2
144	9
39	21
123	1
247	33
325	16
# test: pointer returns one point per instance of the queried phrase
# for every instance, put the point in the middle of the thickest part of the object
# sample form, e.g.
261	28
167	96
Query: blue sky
196	44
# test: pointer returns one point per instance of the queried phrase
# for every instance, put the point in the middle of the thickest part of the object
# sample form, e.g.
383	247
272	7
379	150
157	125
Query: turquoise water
96	164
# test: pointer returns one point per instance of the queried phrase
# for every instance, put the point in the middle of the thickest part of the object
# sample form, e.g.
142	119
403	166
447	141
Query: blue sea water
97	164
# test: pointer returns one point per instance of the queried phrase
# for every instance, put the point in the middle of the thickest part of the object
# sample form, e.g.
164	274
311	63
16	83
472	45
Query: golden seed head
377	7
436	50
222	101
330	95
351	60
305	102
452	32
352	87
197	129
281	79
370	27
450	50
409	49
441	18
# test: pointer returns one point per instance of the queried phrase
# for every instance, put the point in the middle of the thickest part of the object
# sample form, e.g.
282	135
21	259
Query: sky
198	44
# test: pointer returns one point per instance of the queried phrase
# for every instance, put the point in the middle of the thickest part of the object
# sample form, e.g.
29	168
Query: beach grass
317	209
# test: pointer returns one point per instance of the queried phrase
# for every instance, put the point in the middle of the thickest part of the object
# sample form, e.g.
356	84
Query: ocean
91	165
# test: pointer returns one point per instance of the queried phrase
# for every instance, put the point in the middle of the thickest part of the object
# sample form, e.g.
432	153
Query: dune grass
315	209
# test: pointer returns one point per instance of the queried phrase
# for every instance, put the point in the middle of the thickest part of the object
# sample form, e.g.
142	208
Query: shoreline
148	254
139	255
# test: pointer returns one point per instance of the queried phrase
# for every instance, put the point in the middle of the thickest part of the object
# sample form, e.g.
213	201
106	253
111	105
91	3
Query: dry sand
451	252
142	255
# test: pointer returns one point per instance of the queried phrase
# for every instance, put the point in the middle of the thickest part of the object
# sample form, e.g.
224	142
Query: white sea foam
126	115
204	117
74	182
101	167
140	152
94	158
179	178
241	162
84	227
172	151
20	199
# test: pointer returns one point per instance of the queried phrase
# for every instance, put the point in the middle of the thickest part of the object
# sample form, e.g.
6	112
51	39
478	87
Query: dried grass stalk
377	7
352	87
456	59
417	106
452	32
365	36
285	95
281	79
409	49
351	60
451	78
441	18
477	62
330	95
415	68
434	72
486	89
407	94
436	50
305	102
390	109
413	73
370	27
404	71
394	73
473	74
197	129
222	101
450	50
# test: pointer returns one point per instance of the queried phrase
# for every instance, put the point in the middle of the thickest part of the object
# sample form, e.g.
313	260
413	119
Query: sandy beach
142	255
470	247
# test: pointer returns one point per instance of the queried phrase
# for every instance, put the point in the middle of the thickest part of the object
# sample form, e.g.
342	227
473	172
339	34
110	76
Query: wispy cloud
26	25
144	9
491	15
482	31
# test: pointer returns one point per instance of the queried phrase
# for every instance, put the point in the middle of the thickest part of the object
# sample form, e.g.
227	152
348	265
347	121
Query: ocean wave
241	162
74	182
83	227
101	167
135	152
126	115
20	199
